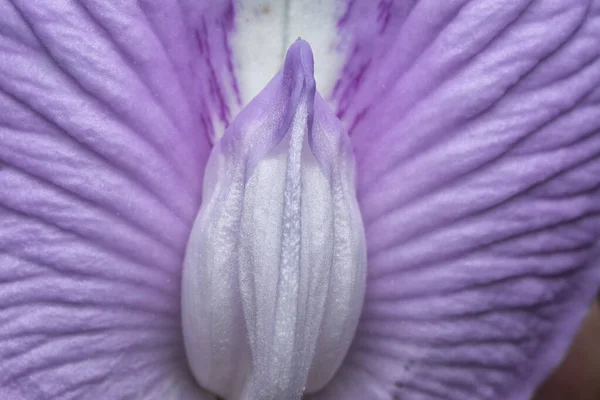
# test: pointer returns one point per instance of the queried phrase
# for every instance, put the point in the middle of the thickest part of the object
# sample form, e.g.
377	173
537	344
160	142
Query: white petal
274	276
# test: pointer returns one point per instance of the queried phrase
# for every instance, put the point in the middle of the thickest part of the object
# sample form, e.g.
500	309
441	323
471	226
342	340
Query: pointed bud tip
299	64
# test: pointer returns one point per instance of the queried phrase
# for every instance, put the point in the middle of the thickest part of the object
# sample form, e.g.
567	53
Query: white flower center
274	275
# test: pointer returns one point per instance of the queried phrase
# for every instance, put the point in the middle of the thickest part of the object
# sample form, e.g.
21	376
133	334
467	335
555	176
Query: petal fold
274	275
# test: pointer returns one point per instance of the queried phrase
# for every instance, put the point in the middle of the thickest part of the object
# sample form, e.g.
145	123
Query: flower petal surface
476	127
105	126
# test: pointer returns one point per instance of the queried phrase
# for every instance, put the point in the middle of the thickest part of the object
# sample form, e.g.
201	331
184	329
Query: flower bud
274	273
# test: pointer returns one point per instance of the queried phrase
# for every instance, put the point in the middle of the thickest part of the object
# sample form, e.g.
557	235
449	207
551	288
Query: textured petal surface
476	127
105	127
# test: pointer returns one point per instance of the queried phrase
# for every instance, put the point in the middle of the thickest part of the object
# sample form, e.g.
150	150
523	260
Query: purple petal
477	131
104	133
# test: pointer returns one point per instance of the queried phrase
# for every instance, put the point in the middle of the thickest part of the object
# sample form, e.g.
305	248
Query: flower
475	127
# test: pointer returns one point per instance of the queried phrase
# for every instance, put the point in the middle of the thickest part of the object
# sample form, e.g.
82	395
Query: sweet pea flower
458	141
